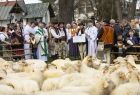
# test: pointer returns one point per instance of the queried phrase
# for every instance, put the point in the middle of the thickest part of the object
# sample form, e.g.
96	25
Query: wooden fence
11	51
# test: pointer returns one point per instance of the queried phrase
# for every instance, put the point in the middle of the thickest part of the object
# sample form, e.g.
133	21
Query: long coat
91	34
41	41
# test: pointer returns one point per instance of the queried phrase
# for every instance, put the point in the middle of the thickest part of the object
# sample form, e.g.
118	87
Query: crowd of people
58	40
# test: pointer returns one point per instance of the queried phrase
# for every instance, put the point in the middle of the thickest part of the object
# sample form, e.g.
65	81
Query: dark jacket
126	30
134	40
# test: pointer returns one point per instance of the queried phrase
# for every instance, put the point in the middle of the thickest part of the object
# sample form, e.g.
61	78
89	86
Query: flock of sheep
66	77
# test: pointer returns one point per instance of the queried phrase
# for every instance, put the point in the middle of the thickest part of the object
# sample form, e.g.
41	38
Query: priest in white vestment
91	34
41	41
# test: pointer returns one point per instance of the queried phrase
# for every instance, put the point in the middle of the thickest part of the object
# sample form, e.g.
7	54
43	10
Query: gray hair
112	21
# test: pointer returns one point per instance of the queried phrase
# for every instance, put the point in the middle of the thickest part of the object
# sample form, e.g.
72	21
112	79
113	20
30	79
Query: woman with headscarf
82	45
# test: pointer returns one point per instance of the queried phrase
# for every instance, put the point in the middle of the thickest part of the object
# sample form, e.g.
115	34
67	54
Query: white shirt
3	36
62	33
91	33
36	28
11	31
54	33
27	31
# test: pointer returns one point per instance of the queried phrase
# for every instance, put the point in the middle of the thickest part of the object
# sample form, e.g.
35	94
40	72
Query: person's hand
124	47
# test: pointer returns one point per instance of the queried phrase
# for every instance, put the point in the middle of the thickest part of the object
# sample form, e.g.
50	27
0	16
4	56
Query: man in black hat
106	35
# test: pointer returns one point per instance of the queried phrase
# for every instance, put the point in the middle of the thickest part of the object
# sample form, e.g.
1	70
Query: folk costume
55	34
73	47
63	43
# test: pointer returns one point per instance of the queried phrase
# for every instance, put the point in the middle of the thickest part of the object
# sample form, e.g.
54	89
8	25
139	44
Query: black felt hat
106	20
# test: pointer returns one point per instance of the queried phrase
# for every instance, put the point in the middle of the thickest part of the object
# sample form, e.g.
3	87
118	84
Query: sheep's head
134	76
92	62
69	67
113	68
87	60
67	59
105	85
130	60
131	66
105	69
28	69
108	86
135	57
120	60
122	75
23	63
96	63
78	66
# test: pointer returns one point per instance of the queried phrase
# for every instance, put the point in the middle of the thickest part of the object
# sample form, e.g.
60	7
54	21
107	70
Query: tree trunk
92	6
66	10
118	9
132	10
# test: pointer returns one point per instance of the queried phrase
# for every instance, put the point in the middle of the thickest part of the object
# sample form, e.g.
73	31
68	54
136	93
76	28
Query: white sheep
62	93
33	65
86	69
36	76
51	84
6	90
17	67
127	89
74	79
118	78
59	63
3	73
9	90
59	82
20	84
7	66
2	61
102	86
134	76
52	73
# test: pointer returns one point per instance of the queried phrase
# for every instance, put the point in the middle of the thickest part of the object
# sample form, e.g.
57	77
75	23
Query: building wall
4	23
45	19
17	16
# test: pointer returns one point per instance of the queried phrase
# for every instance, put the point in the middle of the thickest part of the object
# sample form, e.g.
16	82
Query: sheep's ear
105	85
